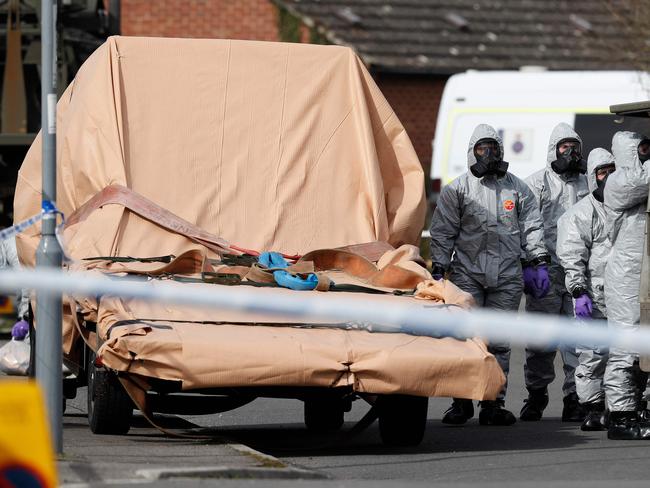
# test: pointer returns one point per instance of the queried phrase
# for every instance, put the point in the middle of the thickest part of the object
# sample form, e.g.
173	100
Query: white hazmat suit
583	247
555	194
478	232
626	194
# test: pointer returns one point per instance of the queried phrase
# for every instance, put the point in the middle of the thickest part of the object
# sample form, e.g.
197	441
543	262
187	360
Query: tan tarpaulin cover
271	146
208	353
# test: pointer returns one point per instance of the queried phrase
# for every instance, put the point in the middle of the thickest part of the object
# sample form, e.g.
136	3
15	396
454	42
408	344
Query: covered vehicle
182	159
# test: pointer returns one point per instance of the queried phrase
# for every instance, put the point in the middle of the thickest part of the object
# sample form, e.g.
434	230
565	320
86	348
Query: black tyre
324	415
70	387
110	408
402	419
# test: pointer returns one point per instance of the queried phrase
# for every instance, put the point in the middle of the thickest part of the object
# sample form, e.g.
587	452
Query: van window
597	130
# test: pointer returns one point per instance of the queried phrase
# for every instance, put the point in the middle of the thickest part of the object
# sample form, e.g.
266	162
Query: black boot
623	426
493	413
534	405
643	418
595	419
461	411
572	411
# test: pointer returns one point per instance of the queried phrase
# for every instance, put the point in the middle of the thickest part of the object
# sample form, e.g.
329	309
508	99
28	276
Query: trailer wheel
110	408
324	415
402	419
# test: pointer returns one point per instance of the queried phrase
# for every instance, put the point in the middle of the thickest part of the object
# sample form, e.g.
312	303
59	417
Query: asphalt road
539	454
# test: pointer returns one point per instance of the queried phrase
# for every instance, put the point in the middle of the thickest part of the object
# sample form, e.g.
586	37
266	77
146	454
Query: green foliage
288	26
315	37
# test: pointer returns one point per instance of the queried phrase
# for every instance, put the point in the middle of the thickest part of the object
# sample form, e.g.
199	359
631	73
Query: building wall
224	19
415	100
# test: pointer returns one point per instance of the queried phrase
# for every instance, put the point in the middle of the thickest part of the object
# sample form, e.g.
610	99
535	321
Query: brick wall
224	19
415	100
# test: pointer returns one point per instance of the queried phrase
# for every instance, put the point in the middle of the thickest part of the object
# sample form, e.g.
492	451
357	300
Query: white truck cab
524	106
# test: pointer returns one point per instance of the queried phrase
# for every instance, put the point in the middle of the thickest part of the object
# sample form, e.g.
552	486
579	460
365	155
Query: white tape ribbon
536	330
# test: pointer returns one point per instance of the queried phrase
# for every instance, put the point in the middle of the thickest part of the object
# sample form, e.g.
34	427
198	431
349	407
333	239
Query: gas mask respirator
488	159
599	192
569	161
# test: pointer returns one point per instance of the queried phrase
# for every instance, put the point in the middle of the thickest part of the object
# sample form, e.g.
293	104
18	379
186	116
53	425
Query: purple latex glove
437	272
583	307
529	277
541	282
19	330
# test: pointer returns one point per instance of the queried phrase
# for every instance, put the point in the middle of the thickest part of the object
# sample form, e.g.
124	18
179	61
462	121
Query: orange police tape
26	455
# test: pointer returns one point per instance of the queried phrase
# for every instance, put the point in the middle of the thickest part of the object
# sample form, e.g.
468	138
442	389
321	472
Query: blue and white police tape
48	209
343	310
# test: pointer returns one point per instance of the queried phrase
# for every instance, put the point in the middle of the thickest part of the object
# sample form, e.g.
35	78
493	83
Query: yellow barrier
26	455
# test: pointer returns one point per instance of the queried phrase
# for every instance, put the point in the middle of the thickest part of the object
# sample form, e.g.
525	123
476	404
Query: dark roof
448	36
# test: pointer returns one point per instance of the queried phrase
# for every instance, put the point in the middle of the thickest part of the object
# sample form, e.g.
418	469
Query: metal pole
49	254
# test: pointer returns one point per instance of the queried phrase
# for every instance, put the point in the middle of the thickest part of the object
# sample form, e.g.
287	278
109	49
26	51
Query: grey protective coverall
487	223
583	247
9	259
555	194
626	194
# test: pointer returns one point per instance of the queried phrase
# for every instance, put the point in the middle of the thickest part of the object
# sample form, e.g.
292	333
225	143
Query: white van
524	106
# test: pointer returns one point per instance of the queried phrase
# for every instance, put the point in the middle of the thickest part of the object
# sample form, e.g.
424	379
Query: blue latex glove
583	306
287	280
529	278
283	278
272	260
19	330
541	281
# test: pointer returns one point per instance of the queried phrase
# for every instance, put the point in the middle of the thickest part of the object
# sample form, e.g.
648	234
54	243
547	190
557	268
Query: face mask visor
568	148
603	172
487	150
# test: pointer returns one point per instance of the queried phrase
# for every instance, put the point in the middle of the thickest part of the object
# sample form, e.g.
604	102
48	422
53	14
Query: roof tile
447	36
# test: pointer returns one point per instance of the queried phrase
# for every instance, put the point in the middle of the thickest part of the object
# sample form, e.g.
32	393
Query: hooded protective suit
9	259
555	194
626	194
487	223
583	247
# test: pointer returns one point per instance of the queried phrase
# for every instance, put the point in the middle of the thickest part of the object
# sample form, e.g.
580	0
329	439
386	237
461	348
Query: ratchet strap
145	208
148	210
